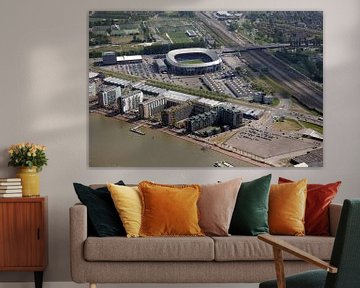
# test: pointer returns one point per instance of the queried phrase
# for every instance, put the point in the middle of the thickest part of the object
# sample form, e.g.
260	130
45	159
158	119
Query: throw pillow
127	201
216	206
169	210
287	204
102	215
319	197
250	215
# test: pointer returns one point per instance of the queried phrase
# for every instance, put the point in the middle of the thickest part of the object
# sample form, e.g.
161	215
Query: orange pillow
169	210
318	200
287	204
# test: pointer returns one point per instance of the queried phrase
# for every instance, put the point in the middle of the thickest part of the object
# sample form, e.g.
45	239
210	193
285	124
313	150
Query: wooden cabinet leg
92	285
38	279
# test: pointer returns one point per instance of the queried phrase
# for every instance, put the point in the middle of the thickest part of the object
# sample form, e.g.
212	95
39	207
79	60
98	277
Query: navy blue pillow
103	218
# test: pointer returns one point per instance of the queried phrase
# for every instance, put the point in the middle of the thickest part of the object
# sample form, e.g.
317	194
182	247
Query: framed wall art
205	88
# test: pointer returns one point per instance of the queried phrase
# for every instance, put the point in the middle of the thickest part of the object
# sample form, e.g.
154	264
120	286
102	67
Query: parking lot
267	144
226	81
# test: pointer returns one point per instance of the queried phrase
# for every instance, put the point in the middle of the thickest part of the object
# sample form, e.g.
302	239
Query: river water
112	144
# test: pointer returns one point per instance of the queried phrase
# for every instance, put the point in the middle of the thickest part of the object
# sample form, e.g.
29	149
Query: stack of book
10	187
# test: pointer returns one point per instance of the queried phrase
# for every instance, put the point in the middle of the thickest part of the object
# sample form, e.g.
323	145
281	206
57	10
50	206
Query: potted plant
30	158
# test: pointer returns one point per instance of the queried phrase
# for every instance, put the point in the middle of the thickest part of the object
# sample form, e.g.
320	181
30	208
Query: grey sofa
234	259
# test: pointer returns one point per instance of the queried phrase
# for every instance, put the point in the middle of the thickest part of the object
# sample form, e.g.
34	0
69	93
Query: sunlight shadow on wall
52	85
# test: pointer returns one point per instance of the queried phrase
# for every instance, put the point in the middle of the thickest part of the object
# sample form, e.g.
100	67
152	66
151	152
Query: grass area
121	39
276	102
123	49
245	102
192	61
121	75
188	90
266	84
223	137
288	125
315	127
276	86
179	37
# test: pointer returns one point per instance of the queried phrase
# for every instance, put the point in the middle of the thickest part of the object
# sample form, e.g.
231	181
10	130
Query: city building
151	107
221	116
117	81
258	97
191	33
109	58
174	97
109	95
93	75
129	59
161	66
93	84
261	97
231	116
222	15
202	120
130	101
92	89
174	114
268	99
201	107
148	89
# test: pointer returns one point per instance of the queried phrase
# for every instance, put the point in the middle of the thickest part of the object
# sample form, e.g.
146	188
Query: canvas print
205	88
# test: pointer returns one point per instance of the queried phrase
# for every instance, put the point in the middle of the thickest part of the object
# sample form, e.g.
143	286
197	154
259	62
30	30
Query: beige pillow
216	206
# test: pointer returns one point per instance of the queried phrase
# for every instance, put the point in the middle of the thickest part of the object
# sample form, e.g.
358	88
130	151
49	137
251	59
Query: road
299	86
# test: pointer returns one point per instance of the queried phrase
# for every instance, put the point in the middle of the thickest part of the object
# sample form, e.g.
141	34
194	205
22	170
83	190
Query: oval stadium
190	61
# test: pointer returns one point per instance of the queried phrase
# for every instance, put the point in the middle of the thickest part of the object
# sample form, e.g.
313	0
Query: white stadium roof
129	58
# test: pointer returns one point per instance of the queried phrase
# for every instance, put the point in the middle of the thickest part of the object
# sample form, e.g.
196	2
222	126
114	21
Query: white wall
43	90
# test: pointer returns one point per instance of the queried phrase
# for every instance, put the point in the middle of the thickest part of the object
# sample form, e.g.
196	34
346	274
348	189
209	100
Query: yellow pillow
127	201
287	204
169	210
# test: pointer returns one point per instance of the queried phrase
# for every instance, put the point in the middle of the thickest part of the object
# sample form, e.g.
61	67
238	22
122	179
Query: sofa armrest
334	217
78	235
286	247
279	246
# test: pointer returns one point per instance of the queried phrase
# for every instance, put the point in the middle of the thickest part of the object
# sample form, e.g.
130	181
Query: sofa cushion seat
249	248
149	249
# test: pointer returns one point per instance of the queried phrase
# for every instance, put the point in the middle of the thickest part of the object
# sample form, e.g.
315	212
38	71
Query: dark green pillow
103	218
250	216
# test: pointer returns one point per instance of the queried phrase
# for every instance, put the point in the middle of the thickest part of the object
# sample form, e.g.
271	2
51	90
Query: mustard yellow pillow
169	210
287	204
127	201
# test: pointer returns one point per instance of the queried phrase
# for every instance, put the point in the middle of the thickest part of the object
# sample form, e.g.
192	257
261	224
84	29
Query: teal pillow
103	218
250	216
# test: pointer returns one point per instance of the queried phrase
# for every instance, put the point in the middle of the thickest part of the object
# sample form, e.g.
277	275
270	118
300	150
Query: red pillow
319	197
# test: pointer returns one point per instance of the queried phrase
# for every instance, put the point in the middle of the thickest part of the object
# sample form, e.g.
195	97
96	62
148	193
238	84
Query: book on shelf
10	180
10	191
10	195
10	183
10	188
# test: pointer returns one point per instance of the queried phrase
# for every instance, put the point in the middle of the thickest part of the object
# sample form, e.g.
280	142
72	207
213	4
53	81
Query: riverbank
199	142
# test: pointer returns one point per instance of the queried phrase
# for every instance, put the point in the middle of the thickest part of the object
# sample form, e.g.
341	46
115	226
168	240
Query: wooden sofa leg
92	285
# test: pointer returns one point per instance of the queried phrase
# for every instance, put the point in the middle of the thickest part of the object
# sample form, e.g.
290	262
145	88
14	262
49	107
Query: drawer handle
38	234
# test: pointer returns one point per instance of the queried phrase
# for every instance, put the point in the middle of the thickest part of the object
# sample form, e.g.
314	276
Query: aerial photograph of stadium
205	88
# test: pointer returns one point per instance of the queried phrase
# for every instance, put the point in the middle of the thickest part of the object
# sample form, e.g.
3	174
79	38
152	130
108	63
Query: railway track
298	85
